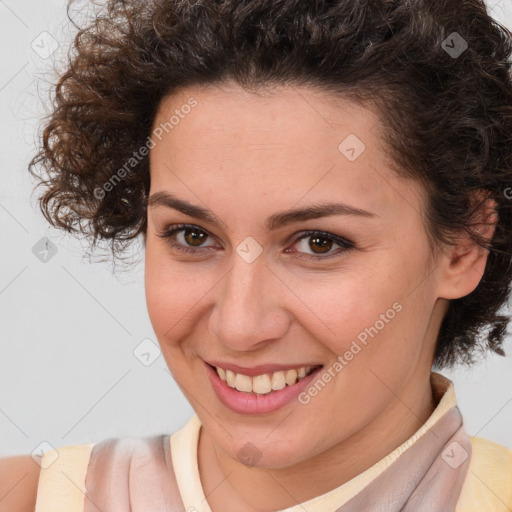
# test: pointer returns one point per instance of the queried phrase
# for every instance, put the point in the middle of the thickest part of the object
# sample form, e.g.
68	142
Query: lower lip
252	403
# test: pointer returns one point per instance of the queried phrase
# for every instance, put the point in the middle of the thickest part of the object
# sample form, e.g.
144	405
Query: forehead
285	114
297	140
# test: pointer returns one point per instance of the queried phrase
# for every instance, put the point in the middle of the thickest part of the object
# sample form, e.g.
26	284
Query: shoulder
490	453
491	461
62	478
30	484
488	484
56	480
19	478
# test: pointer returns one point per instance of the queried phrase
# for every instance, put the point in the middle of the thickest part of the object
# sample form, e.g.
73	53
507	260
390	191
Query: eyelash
171	230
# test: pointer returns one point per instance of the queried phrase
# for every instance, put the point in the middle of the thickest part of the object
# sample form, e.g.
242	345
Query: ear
463	264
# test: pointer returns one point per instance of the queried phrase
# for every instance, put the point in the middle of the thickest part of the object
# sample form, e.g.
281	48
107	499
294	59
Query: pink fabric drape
136	475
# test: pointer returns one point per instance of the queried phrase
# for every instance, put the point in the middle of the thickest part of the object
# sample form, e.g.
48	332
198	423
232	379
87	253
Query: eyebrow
274	222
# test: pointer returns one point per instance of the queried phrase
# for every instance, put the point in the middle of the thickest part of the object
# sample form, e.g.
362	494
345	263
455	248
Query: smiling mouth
266	383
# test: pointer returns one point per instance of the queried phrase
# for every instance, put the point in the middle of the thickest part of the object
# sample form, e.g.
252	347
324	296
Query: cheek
338	306
169	297
370	312
166	289
175	292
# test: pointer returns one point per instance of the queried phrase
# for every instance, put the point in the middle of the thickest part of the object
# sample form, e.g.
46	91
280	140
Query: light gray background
69	327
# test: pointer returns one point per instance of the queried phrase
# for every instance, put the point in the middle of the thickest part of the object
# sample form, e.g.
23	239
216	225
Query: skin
246	157
19	477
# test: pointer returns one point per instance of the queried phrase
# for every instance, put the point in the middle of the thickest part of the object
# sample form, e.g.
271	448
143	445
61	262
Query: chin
265	453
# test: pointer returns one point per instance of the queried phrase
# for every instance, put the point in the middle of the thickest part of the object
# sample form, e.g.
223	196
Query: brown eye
320	243
186	238
194	237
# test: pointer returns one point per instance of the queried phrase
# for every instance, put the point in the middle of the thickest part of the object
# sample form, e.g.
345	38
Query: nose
249	310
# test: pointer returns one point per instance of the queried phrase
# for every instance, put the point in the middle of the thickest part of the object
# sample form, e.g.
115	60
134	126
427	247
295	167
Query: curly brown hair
447	109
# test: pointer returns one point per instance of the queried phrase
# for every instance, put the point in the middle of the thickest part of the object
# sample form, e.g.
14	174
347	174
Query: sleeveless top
160	473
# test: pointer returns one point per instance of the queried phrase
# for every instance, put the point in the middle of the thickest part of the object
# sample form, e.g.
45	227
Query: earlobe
464	262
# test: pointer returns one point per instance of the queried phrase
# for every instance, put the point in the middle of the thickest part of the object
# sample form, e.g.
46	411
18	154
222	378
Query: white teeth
243	383
230	378
263	384
221	372
291	377
278	380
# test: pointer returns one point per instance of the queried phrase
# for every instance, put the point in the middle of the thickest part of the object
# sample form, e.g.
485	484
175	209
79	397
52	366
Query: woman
321	191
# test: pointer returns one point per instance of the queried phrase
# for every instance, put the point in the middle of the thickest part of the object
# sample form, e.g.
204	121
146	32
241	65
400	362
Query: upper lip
260	369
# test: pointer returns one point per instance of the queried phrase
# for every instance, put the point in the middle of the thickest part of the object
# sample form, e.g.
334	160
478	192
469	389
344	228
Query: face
352	288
